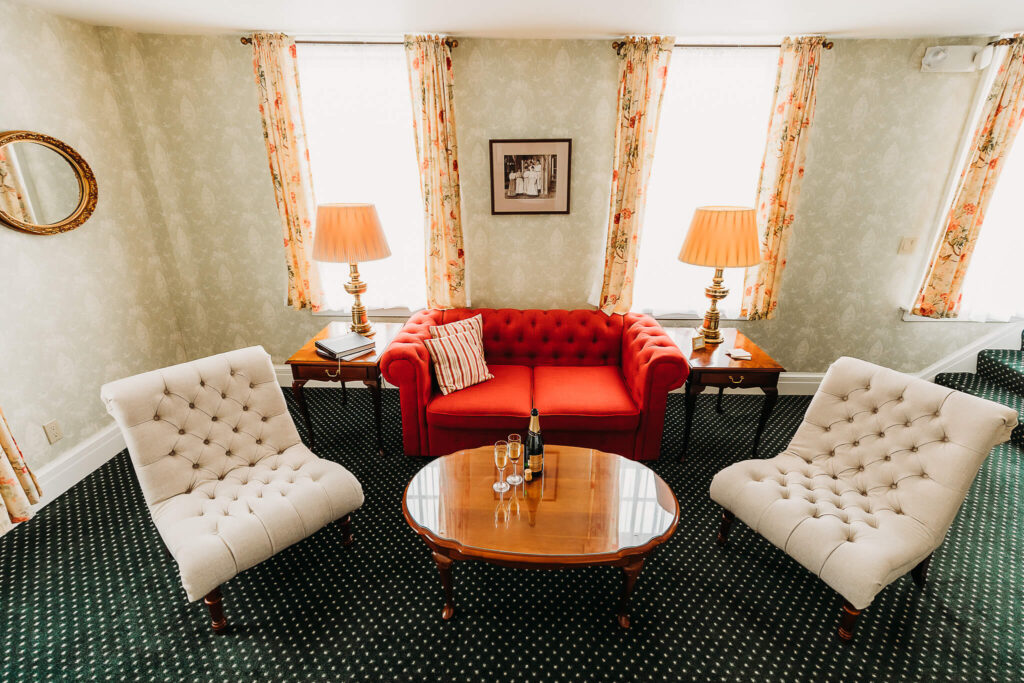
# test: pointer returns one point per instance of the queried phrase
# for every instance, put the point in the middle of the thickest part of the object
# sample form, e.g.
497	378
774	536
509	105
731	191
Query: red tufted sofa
598	381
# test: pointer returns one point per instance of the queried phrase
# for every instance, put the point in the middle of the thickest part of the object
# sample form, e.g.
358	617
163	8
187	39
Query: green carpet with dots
88	593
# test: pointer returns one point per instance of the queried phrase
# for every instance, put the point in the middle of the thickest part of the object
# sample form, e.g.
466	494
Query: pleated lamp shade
348	233
722	237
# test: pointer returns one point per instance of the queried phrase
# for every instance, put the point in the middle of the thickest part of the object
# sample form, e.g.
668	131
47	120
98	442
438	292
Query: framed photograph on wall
530	176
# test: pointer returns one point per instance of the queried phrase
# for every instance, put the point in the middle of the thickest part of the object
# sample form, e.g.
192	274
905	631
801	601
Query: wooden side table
308	365
710	367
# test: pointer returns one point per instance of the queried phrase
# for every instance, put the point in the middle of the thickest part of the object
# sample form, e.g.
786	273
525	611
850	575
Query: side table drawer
346	373
736	378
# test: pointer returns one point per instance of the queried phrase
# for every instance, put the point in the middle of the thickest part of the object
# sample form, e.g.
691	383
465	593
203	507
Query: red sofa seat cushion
501	403
583	398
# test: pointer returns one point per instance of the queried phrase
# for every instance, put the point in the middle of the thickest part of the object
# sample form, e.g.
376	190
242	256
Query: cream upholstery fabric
226	476
872	479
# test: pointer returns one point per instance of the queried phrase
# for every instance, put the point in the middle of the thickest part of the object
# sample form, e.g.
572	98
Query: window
355	101
994	283
711	137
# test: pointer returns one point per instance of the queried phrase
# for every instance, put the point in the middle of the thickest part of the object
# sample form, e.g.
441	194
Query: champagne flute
515	451
501	462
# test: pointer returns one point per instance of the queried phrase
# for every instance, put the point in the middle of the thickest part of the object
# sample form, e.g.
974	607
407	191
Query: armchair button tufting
206	442
195	466
259	441
850	419
214	418
888	458
223	395
167	392
234	429
202	383
191	405
263	419
945	439
856	443
874	410
861	468
245	407
251	385
181	431
156	418
913	449
893	485
907	423
846	398
228	453
881	435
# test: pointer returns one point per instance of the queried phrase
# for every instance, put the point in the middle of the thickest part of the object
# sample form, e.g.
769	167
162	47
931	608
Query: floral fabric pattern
941	291
18	486
432	87
782	170
280	102
643	69
12	191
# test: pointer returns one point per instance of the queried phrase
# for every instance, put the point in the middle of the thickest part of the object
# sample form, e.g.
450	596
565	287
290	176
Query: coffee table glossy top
590	506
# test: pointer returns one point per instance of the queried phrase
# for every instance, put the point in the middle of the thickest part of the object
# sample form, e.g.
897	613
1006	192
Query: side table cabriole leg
444	567
300	398
374	386
630	571
692	390
771	395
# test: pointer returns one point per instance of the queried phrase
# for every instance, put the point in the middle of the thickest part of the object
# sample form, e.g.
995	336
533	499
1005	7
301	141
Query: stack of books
345	347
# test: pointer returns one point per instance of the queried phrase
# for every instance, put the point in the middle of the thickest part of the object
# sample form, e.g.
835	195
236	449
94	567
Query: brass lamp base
356	288
716	292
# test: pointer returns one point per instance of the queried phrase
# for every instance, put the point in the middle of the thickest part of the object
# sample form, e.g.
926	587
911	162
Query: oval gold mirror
46	187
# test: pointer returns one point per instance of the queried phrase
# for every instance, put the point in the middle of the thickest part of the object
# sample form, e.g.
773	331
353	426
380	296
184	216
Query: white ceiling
711	20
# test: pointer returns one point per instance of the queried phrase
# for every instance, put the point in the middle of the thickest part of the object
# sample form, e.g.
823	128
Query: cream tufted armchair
871	481
226	477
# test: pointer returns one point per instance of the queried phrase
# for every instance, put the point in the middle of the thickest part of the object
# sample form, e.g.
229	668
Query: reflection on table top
588	503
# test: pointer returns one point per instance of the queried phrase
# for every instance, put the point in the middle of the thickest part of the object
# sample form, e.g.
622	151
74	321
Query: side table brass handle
328	372
736	381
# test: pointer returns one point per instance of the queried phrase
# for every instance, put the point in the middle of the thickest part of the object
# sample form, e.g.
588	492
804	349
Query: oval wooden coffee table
590	508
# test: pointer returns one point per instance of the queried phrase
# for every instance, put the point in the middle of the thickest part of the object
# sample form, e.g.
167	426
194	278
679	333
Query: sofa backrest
547	337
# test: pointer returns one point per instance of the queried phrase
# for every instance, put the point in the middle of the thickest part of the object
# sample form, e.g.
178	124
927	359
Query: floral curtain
18	486
782	170
13	198
939	296
432	86
280	102
643	68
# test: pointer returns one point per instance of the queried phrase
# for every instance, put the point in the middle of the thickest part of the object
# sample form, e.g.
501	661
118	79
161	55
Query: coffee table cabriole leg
444	567
631	571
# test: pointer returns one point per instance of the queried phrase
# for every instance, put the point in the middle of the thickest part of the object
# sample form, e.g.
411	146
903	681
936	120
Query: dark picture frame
531	176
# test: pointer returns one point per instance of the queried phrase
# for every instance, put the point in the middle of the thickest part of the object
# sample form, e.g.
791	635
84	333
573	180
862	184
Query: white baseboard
73	466
965	359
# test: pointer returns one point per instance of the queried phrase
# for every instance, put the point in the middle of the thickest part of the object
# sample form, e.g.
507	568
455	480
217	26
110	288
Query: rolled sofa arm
406	364
652	364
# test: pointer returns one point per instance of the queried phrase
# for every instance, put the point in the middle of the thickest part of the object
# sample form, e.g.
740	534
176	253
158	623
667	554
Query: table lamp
350	233
720	237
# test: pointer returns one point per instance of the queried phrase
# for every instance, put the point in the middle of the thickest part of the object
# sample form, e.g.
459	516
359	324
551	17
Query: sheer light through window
355	101
711	137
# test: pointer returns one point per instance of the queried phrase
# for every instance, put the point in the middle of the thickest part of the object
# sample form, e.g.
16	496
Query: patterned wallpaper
91	305
182	258
535	89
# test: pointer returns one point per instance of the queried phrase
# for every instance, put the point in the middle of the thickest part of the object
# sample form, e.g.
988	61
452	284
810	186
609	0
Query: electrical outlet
53	432
907	245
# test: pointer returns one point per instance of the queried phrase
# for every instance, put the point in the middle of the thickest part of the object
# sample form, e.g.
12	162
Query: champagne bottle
535	446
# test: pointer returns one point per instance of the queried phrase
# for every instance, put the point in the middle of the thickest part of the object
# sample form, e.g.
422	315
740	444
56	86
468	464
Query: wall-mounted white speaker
956	58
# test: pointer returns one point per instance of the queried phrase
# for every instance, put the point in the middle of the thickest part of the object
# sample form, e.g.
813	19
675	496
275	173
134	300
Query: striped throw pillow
458	361
474	325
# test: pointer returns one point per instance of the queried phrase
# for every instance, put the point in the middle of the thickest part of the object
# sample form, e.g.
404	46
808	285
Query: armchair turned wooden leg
724	527
217	619
345	524
920	572
847	621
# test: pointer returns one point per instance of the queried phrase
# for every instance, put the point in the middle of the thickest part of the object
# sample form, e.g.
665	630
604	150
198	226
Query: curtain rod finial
245	40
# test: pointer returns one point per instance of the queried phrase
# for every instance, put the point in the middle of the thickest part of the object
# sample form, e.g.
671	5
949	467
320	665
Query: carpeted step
973	384
1004	367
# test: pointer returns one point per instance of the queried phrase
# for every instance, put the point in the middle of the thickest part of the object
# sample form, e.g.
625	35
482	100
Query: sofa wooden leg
920	572
847	621
724	527
345	524
217	619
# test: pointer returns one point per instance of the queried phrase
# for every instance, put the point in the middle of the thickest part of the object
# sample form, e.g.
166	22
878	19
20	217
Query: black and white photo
530	176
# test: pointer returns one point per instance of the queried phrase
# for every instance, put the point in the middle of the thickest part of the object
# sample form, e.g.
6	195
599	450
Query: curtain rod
617	45
451	42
